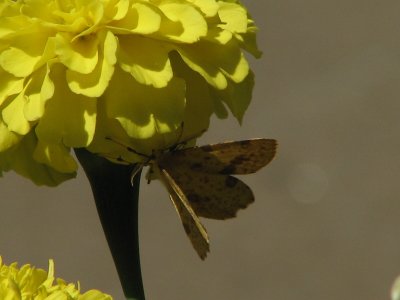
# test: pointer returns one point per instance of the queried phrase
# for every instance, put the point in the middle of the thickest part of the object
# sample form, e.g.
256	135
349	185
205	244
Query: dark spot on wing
194	198
196	166
229	169
245	143
187	228
207	148
239	159
231	182
205	179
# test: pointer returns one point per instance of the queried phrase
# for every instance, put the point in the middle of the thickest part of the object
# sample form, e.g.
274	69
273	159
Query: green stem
117	205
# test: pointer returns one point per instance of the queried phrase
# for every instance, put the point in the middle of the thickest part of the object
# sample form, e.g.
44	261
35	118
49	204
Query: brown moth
200	184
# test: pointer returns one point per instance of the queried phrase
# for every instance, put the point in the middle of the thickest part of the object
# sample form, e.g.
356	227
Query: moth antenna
118	159
185	141
130	149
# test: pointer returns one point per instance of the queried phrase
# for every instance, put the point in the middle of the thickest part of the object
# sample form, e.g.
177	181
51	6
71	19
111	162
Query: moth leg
136	169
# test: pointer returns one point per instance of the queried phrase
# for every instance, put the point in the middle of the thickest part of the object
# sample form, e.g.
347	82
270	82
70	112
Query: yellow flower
28	283
75	71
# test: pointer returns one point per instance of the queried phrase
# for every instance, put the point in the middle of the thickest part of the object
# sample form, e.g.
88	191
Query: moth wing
194	229
213	196
237	157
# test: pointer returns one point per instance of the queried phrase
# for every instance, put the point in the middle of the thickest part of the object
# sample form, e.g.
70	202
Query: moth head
153	171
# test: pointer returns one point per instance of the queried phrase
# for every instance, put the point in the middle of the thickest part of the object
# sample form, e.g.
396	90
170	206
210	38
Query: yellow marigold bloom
75	71
28	283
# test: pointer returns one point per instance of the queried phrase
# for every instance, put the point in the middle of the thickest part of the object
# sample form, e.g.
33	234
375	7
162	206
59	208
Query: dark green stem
117	205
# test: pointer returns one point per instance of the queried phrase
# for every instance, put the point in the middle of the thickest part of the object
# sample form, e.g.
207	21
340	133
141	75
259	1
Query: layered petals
69	118
95	83
181	22
144	111
152	70
149	72
78	54
20	158
25	54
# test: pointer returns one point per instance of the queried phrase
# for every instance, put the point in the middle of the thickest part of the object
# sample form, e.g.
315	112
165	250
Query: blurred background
325	224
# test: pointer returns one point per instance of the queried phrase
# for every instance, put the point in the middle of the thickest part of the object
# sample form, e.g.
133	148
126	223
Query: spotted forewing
200	184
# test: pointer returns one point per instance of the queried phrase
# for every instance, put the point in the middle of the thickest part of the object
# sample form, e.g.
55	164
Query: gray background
325	224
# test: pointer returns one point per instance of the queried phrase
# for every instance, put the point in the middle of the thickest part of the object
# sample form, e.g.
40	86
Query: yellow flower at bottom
29	283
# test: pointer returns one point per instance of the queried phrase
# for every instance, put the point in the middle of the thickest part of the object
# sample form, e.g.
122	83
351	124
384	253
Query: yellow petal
68	117
9	85
56	156
94	295
113	148
199	103
20	159
144	111
203	65
7	137
95	83
218	35
80	55
146	60
238	96
248	40
117	9
9	290
26	51
39	89
233	17
183	22
13	115
142	18
220	61
8	25
208	7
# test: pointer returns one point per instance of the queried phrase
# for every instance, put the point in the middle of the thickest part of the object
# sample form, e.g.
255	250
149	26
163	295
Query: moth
200	183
